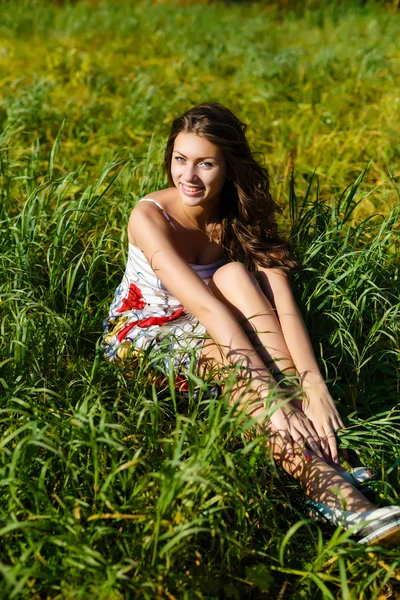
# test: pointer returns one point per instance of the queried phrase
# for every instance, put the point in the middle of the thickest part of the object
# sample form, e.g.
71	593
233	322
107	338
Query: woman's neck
201	216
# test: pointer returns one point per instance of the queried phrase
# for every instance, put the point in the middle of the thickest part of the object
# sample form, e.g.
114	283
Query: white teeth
191	188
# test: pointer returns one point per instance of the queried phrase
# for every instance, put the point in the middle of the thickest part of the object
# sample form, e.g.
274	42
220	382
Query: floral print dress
143	313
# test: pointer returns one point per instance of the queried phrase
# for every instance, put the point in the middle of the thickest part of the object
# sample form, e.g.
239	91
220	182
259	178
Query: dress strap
166	215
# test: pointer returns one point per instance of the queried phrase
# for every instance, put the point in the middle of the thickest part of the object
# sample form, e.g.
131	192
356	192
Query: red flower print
160	320
121	335
148	322
134	299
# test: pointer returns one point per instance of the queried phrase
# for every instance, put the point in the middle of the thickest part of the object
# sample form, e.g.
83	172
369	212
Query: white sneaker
378	525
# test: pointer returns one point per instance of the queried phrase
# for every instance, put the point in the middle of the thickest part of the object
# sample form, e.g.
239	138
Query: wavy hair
249	233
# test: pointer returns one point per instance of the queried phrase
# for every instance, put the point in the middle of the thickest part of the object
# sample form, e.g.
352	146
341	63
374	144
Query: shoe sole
386	532
386	535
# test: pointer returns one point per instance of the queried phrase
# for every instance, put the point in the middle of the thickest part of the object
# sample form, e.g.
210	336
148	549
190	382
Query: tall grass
111	488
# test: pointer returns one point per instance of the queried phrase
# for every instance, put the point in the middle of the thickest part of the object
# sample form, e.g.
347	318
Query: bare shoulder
143	218
163	197
157	196
148	214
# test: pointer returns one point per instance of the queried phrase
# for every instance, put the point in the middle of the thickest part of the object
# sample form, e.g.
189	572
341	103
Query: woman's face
198	169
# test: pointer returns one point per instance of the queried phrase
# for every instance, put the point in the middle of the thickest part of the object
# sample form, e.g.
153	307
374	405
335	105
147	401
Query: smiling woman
190	285
199	178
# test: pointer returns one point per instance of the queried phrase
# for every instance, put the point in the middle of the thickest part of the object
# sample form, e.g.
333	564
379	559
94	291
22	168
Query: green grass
110	489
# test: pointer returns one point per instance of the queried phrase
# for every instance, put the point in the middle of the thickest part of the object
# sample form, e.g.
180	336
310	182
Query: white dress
144	313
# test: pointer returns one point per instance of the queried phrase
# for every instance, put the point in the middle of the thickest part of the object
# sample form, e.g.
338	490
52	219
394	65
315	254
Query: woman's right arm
156	238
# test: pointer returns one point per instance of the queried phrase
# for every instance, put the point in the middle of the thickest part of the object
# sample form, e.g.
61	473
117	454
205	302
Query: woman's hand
296	429
320	409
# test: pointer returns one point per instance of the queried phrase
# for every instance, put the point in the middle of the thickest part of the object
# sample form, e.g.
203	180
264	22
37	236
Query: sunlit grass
110	488
319	89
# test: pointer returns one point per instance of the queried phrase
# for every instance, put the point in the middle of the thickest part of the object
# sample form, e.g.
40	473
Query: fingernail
307	457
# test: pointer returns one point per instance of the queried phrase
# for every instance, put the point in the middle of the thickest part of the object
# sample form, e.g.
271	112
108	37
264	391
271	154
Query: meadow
110	487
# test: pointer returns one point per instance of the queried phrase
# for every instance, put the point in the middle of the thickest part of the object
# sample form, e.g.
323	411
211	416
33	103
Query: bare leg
320	480
234	286
241	293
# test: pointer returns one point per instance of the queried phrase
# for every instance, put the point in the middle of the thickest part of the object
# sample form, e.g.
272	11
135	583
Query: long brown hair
249	232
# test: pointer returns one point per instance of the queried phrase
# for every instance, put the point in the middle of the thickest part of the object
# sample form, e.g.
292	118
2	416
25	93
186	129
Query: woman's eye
180	159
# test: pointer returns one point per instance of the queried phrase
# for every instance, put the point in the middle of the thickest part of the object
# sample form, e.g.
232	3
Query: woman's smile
198	169
190	190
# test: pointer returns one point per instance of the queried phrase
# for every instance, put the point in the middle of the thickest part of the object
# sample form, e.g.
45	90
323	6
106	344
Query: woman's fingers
325	446
302	432
306	434
326	429
314	445
339	424
294	426
331	443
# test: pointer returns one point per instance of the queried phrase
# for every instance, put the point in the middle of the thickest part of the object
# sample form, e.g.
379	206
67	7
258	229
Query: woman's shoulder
151	206
163	197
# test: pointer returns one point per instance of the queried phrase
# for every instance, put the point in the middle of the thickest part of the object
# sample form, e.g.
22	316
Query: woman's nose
189	174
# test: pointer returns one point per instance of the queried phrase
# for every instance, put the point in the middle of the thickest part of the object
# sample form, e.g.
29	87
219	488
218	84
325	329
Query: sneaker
378	525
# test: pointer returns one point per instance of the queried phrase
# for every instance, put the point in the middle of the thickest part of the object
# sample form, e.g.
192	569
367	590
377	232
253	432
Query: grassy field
109	488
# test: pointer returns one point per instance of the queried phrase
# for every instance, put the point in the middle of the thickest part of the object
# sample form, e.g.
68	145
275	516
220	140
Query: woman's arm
276	286
320	407
156	238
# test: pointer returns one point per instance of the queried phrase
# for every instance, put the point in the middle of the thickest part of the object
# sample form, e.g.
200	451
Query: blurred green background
317	83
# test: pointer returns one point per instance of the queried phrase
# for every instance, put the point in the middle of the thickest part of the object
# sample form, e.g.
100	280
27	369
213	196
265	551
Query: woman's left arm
319	406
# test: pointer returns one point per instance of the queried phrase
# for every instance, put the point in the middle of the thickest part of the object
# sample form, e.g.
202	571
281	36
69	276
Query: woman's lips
188	191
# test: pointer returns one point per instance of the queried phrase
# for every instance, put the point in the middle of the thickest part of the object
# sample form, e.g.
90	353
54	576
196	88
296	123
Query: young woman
207	270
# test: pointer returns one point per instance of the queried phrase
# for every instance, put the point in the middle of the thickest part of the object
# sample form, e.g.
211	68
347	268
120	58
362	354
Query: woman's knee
233	274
